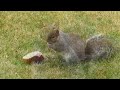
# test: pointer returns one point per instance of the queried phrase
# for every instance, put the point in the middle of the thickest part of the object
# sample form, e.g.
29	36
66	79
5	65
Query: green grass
22	32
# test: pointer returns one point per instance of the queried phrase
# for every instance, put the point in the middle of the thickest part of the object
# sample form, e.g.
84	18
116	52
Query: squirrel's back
73	47
78	45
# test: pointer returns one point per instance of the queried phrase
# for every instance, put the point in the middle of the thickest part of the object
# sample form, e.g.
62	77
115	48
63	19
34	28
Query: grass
22	32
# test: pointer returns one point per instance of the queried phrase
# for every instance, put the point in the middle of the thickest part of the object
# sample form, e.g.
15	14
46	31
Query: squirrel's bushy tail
98	47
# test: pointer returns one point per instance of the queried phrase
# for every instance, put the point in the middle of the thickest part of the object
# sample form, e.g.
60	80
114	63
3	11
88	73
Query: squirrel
74	49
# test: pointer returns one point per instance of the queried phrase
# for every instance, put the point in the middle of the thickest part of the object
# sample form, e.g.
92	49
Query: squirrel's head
53	38
53	34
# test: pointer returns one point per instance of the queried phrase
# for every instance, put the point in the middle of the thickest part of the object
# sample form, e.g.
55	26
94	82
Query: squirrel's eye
52	37
53	28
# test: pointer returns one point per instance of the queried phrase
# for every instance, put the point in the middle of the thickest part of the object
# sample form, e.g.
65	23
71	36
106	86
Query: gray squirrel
74	49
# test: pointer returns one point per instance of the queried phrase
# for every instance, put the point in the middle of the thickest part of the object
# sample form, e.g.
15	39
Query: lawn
24	32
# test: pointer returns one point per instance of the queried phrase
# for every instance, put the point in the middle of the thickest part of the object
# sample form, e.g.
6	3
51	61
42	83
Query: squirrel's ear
56	25
57	32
